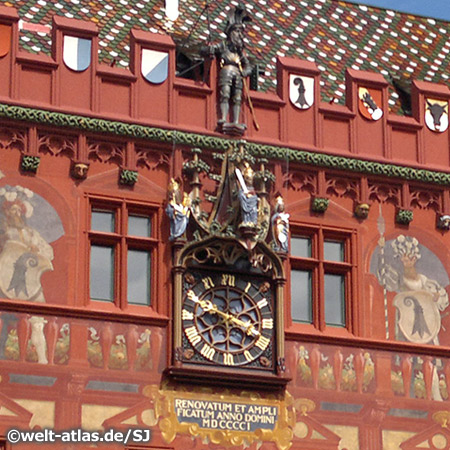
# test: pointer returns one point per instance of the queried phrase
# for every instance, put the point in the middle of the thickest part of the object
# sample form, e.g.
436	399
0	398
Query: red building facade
94	323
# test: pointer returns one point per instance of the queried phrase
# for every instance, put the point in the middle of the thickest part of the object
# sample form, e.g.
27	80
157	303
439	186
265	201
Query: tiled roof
335	35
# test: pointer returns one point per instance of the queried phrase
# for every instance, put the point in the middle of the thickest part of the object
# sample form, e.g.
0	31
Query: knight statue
235	67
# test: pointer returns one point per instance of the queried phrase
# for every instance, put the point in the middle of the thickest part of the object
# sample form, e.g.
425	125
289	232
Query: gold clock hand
248	326
207	305
210	307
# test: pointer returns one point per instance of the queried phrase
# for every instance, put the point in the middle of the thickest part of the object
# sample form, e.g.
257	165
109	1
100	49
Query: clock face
228	319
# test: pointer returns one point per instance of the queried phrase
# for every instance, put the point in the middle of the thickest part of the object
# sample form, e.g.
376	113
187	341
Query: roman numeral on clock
262	342
193	335
262	303
228	359
248	355
228	280
207	351
208	282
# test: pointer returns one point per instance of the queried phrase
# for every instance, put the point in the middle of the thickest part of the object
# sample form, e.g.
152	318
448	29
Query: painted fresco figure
38	338
25	255
419	299
178	210
234	64
280	226
406	249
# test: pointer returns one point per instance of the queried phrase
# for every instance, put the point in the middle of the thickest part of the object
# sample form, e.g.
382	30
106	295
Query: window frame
121	243
319	267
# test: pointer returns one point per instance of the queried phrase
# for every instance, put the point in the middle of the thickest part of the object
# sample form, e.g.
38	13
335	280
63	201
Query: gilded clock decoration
228	313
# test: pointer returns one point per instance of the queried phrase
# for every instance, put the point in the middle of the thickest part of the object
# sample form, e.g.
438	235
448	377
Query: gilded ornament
172	405
304	406
362	210
442	418
80	170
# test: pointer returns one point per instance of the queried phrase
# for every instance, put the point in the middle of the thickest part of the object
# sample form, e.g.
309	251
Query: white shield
436	115
77	53
301	91
419	319
154	66
21	271
172	11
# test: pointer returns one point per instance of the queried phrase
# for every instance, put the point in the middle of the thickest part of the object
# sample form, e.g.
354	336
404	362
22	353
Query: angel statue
247	196
280	226
178	210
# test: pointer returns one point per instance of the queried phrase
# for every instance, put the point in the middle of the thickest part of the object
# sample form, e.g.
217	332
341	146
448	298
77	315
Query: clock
228	320
228	326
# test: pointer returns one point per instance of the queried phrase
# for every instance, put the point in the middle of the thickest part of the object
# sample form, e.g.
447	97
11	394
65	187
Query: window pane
301	247
333	251
102	221
102	273
335	300
138	277
301	298
139	226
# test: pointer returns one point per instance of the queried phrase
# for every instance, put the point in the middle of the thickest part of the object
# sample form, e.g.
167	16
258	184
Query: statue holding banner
247	197
235	67
178	210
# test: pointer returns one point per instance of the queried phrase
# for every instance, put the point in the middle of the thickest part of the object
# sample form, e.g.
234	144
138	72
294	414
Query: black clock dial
228	319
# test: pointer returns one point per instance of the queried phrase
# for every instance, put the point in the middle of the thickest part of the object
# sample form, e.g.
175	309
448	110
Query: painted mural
418	279
28	224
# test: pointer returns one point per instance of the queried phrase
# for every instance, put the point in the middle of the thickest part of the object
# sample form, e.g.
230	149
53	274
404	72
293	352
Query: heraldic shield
20	277
419	319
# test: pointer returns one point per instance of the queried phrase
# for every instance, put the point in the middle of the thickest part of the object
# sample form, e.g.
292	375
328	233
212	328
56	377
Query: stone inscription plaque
226	415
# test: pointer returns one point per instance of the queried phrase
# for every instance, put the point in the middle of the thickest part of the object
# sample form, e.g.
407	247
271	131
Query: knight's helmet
237	18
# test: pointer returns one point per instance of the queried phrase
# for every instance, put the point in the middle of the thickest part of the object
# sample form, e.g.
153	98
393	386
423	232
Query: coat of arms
301	91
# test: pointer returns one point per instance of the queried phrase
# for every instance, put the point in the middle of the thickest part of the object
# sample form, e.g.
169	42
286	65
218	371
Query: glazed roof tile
333	34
